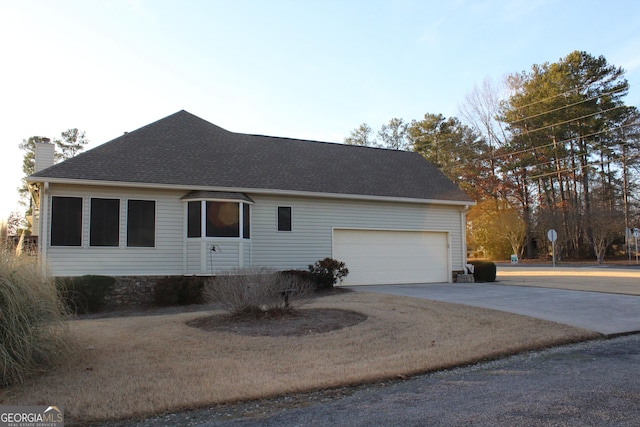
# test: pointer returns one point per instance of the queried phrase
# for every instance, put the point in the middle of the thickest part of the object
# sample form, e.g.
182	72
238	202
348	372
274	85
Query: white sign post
635	234
552	235
628	232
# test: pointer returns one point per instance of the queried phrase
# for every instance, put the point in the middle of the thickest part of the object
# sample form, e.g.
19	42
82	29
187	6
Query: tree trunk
584	166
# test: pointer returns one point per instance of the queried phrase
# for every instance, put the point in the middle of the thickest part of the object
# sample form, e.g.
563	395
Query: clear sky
310	69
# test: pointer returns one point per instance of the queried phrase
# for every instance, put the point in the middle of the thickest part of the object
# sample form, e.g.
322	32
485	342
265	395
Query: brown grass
135	366
607	280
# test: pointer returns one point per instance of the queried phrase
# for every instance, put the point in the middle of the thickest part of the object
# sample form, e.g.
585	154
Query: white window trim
278	219
126	223
82	224
203	219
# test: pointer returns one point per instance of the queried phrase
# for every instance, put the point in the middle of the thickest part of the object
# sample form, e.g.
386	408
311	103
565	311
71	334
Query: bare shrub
254	291
606	226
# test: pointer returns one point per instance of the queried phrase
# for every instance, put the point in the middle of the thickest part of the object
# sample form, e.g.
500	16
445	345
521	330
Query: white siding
225	257
314	219
194	259
166	258
201	259
246	254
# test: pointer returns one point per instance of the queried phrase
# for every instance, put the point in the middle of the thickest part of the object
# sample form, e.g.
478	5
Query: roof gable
184	150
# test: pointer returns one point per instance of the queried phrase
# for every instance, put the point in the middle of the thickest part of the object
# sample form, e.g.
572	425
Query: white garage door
390	257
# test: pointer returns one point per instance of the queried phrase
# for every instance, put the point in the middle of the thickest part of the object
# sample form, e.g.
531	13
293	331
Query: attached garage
393	256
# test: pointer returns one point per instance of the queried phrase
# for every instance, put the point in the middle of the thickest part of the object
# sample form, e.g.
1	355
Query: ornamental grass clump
32	329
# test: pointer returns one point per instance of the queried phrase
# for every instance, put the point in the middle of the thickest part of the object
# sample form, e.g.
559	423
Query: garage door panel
377	256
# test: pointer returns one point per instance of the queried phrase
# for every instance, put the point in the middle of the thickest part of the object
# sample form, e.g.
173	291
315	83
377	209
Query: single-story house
182	196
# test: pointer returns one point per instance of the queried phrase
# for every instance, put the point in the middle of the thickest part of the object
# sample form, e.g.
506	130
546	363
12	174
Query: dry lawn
135	366
606	280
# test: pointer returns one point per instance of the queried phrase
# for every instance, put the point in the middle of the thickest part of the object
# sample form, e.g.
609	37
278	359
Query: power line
527	132
567	106
556	143
572	91
573	155
634	156
512	153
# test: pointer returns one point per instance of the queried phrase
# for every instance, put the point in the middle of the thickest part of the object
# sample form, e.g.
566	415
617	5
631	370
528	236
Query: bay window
209	218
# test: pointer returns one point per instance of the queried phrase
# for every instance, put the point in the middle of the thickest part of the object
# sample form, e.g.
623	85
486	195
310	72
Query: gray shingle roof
185	150
220	195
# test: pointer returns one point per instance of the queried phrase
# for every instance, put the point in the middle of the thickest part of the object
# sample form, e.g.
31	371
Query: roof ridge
322	142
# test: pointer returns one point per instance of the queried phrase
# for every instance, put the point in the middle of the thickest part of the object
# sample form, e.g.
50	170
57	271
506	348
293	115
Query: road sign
635	233
552	235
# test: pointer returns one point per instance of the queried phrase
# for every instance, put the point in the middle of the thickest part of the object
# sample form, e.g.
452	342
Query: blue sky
304	69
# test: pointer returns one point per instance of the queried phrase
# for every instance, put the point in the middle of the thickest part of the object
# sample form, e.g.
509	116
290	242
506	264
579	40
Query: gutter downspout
463	226
43	239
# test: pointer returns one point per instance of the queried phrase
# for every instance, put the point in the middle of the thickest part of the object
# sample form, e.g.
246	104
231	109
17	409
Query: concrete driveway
608	314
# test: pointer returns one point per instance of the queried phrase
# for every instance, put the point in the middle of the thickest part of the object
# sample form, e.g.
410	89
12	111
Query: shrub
483	271
32	332
255	291
328	272
85	294
301	275
179	290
